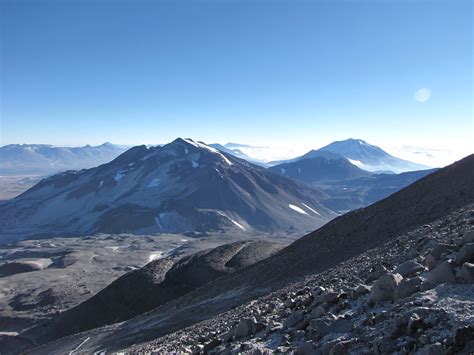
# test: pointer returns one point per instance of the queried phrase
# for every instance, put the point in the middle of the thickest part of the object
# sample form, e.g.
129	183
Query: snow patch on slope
154	183
312	210
212	150
357	163
297	209
119	175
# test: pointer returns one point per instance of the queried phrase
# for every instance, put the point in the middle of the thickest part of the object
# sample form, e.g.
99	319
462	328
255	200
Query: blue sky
300	73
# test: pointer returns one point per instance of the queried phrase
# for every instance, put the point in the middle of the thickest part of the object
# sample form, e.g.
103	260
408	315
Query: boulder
245	328
293	319
408	268
466	254
414	322
468	237
330	324
384	288
407	287
362	289
439	249
319	290
436	253
467	272
318	311
442	273
463	336
433	349
306	348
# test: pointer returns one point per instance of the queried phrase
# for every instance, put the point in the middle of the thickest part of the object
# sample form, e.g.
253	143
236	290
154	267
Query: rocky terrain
342	255
414	294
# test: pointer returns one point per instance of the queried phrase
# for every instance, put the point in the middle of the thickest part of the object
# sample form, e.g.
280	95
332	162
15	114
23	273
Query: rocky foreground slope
414	294
369	234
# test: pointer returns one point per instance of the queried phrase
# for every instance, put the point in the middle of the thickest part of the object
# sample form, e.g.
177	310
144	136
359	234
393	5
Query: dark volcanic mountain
378	226
364	155
182	186
311	170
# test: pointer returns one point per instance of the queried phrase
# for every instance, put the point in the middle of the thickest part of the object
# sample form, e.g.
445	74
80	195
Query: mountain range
179	187
43	159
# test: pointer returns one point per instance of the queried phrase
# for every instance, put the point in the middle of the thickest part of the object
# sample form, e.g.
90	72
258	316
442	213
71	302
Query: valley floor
41	278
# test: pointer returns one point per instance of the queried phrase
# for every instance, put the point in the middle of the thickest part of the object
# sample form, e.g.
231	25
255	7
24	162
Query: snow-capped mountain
362	154
182	186
43	159
319	169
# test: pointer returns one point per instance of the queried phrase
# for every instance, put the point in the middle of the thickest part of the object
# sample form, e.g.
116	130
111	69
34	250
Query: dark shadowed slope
314	170
347	236
348	195
159	282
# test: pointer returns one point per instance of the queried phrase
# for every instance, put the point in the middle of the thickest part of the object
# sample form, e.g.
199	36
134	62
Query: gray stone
466	254
319	290
318	311
407	287
468	237
442	273
362	289
245	328
463	336
329	297
433	349
414	322
342	347
439	249
307	348
324	326
467	272
384	288
293	319
408	268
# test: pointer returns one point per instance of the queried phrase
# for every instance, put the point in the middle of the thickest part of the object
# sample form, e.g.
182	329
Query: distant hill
362	154
43	159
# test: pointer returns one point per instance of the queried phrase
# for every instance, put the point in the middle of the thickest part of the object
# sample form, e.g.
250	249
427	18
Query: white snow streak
155	256
79	346
297	209
309	208
238	224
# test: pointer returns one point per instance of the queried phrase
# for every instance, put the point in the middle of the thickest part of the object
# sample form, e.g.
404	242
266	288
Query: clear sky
295	73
